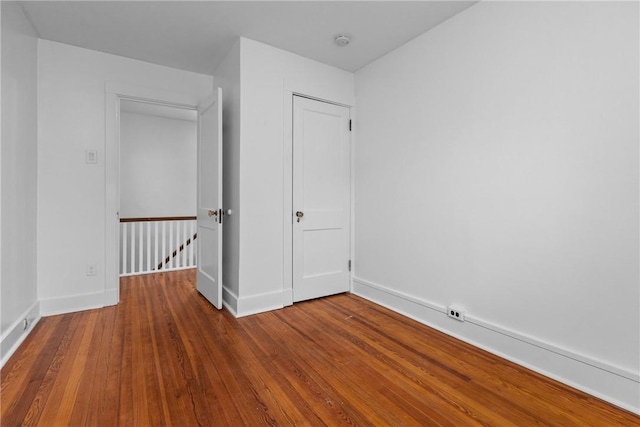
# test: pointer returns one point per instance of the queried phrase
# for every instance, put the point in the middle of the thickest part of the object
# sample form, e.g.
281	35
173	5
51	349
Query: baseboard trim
111	297
72	303
608	382
16	334
287	297
230	301
254	304
260	303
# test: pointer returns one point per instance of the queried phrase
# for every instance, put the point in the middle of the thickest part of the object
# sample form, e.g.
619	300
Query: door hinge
349	265
349	125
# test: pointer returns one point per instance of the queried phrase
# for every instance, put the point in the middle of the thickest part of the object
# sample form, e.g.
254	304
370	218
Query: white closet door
321	199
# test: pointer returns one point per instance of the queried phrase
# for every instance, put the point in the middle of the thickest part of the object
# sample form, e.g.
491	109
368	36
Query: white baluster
176	260
195	248
140	246
178	244
180	256
185	237
176	263
170	243
148	248
123	268
192	246
164	244
132	267
155	245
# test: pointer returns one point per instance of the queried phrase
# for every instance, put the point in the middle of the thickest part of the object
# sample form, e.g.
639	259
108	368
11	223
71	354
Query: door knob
299	215
212	213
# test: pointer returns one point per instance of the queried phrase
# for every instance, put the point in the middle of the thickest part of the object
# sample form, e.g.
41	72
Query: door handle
299	215
212	213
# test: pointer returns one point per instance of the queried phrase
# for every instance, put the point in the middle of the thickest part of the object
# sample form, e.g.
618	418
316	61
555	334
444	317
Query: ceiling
196	35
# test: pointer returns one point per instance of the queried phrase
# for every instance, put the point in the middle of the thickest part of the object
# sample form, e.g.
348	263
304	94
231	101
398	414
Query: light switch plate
91	156
91	269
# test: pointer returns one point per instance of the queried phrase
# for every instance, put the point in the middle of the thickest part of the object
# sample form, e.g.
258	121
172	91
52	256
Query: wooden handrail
160	218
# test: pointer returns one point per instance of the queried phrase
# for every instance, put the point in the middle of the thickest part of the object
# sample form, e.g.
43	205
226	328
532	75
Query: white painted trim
230	300
608	382
352	210
287	188
513	334
287	295
114	92
111	297
315	98
260	303
423	303
153	95
599	364
2	344
73	303
112	193
16	334
287	199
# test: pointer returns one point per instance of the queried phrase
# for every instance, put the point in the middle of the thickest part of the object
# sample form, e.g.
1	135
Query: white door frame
114	93
287	200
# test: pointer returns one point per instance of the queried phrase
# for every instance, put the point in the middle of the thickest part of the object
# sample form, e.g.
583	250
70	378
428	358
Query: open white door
209	279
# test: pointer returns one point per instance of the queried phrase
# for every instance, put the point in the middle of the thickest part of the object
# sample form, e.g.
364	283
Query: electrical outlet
455	313
91	269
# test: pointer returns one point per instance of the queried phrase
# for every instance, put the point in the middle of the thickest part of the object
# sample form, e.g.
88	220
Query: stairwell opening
158	183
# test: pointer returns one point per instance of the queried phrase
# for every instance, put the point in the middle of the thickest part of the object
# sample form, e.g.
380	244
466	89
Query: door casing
114	93
287	289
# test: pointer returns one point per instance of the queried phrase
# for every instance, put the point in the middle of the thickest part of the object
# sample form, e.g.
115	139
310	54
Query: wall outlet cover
455	313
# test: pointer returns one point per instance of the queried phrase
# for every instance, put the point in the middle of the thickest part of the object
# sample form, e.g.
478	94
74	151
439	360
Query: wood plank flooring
165	357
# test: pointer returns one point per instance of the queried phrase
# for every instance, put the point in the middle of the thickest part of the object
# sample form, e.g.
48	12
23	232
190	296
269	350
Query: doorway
158	160
321	218
115	93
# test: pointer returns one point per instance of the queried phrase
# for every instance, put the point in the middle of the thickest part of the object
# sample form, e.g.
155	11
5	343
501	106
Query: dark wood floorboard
165	357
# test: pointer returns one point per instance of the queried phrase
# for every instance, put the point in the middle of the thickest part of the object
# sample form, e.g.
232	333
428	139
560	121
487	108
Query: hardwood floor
164	356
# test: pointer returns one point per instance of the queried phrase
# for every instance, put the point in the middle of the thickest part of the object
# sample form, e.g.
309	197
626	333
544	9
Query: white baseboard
254	304
287	297
260	303
230	301
608	382
72	303
111	297
16	334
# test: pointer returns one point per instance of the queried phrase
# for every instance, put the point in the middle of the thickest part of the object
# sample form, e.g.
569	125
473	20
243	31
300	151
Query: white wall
267	74
157	166
228	78
71	193
503	145
18	176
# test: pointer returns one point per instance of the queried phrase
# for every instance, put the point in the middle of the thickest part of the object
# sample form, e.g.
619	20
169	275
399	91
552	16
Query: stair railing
151	245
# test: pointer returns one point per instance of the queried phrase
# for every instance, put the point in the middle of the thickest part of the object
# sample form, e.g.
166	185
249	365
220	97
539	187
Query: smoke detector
342	40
